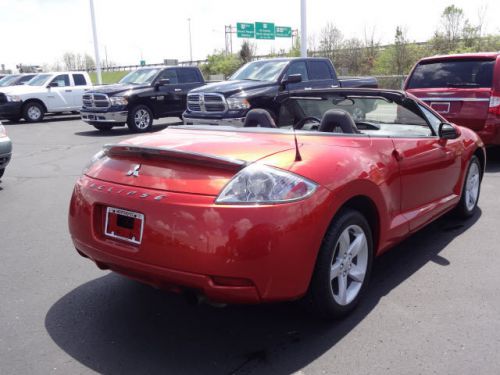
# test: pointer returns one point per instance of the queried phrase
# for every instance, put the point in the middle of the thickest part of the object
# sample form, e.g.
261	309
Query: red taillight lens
495	103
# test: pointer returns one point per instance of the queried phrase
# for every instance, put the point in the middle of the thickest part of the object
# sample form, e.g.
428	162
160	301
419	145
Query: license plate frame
113	229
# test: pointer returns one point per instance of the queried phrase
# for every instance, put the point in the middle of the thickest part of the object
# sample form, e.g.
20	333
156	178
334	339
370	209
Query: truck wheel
140	119
33	112
103	127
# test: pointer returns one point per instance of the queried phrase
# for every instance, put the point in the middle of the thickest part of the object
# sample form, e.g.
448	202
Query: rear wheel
471	189
343	266
103	127
140	119
33	112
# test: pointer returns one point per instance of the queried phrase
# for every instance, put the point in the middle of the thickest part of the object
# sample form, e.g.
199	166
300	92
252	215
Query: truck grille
96	101
207	103
3	98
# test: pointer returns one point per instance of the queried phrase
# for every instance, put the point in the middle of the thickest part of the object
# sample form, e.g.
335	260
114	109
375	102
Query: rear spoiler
172	154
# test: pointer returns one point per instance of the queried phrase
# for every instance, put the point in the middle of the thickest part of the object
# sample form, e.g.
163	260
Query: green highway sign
283	32
245	30
264	30
143	62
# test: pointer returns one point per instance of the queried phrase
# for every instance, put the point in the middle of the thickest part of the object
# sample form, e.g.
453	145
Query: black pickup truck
140	97
263	84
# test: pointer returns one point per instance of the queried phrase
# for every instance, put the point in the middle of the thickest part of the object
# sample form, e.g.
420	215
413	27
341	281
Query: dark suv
141	96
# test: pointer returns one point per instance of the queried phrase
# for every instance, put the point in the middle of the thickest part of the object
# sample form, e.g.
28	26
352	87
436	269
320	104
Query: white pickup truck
46	93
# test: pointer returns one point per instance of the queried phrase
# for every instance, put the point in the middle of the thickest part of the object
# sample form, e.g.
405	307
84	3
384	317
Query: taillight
495	103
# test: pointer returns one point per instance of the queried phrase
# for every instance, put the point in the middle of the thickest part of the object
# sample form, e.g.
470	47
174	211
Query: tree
247	51
330	41
401	53
452	21
221	63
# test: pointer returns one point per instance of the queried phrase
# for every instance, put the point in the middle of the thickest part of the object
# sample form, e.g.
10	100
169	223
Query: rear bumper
189	242
104	117
11	110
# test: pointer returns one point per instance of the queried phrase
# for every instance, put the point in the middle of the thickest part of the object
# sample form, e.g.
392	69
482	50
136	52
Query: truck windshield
452	73
39	80
260	71
140	76
8	80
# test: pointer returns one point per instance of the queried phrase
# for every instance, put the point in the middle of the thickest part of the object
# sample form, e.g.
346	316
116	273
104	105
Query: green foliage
108	77
221	63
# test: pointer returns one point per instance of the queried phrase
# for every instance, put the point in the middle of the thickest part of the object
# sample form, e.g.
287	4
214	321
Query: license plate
124	225
441	107
91	117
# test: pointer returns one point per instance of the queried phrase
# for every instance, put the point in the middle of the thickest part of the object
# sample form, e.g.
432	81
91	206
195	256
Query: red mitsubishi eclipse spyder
276	211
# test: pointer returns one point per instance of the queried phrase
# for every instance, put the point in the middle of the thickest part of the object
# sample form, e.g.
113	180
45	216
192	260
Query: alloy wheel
472	187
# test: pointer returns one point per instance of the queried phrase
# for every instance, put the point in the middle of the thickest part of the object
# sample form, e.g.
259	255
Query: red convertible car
268	213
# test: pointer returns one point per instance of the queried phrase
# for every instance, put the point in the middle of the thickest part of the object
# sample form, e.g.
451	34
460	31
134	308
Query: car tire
140	119
470	191
2	171
33	112
343	266
103	127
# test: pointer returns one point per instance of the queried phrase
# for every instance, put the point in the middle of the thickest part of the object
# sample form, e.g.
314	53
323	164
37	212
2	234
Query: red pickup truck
464	88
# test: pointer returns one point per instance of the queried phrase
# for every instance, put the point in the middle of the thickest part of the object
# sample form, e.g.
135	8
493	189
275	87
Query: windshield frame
140	73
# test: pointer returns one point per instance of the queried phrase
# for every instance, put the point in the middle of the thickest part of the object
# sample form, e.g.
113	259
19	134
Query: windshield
39	80
140	76
458	73
8	80
260	71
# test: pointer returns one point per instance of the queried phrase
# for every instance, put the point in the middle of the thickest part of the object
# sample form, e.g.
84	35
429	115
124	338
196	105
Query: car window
168	74
79	80
62	80
432	118
298	67
450	73
187	76
319	70
25	79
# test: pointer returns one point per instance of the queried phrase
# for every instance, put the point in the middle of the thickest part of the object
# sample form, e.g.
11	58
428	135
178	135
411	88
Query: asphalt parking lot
432	306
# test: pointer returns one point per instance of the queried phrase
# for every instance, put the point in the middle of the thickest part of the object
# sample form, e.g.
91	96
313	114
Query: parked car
46	93
263	84
15	79
5	149
260	214
140	97
463	88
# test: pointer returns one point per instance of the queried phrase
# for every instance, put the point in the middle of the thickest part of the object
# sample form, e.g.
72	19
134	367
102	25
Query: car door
429	166
189	78
320	74
298	67
80	85
166	102
59	97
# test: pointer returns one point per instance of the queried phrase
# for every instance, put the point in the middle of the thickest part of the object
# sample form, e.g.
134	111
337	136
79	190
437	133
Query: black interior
259	117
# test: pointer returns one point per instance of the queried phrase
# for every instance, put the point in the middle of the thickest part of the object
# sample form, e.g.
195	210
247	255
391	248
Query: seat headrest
337	118
259	117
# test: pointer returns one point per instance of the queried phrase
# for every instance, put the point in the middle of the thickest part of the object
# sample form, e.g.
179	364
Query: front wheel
343	266
33	112
140	119
471	189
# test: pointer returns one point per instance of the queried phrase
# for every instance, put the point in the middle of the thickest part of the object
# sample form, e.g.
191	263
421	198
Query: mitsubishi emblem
134	171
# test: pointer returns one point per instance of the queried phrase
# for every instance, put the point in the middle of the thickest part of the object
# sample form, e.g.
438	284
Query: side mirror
162	82
292	78
52	84
447	131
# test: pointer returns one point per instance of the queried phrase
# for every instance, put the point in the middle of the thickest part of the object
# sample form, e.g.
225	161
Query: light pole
303	29
190	45
96	45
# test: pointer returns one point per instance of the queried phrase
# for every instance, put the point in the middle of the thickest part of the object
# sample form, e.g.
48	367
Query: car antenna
298	157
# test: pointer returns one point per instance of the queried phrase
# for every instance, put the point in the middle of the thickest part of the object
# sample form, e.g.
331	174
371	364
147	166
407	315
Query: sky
39	32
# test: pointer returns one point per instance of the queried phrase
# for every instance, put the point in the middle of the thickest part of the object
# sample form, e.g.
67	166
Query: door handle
397	155
308	88
177	90
67	90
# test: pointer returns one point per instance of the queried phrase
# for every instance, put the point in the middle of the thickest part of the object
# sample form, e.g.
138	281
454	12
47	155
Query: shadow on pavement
113	325
122	130
48	118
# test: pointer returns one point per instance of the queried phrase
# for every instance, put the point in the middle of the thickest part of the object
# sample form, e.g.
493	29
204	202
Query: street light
303	29
190	45
96	45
